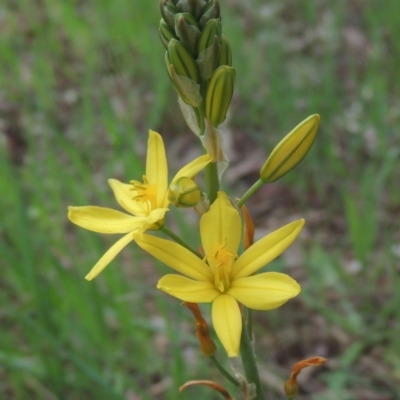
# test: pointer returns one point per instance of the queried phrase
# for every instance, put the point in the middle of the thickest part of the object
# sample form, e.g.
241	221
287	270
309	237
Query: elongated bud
210	11
188	32
291	386
184	193
225	54
168	11
290	150
208	48
219	94
212	28
182	61
207	345
165	33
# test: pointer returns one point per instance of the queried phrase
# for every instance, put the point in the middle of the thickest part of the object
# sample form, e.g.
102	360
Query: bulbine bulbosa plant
224	269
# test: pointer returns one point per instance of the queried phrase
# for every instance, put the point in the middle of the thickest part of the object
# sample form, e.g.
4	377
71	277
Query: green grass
82	82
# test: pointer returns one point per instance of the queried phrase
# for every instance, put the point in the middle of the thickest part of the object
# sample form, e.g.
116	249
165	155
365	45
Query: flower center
221	261
145	193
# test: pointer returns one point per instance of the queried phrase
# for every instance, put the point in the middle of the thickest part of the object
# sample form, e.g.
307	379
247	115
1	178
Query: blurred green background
81	82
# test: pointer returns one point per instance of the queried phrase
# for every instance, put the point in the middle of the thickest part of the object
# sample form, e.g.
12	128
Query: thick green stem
250	192
249	361
212	181
224	371
177	239
250	322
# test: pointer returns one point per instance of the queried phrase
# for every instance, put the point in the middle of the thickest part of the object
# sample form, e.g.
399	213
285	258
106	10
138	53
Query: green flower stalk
199	64
191	31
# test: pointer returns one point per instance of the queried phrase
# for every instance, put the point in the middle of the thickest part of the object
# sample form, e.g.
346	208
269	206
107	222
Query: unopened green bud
187	89
188	31
184	193
165	33
193	7
182	61
208	48
225	54
211	29
168	11
219	94
210	11
290	150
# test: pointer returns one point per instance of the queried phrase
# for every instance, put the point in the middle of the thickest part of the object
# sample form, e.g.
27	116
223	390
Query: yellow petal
187	289
221	225
103	220
109	256
152	219
175	256
193	168
266	249
156	165
123	194
264	291
227	321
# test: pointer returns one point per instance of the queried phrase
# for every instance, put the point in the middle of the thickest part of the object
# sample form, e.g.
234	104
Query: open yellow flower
223	277
147	202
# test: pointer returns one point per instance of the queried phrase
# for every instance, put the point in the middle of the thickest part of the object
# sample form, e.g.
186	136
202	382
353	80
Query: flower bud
182	61
188	32
184	193
210	11
211	29
193	7
219	94
290	150
225	54
168	11
165	33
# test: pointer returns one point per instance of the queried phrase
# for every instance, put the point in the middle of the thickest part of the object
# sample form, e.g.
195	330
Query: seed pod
290	150
219	94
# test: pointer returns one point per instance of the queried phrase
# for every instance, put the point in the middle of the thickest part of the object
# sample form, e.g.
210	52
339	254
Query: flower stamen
221	261
145	193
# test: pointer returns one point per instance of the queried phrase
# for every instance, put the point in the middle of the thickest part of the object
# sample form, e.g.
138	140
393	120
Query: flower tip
154	133
89	277
71	210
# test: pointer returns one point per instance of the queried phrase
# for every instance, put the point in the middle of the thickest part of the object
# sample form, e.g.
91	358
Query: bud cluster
198	57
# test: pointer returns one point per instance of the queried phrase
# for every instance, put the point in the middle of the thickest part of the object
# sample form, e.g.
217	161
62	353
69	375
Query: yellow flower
223	277
147	202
